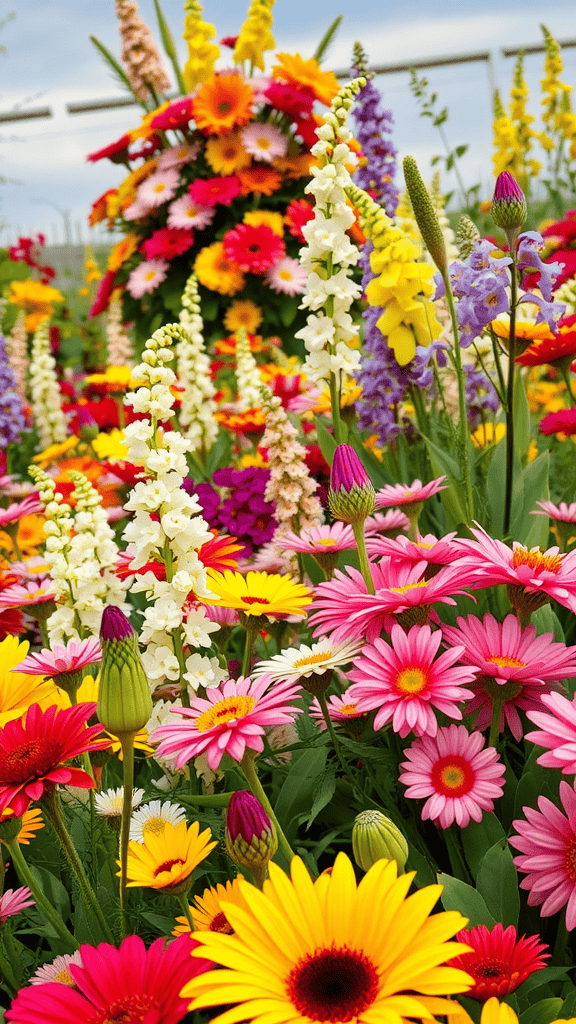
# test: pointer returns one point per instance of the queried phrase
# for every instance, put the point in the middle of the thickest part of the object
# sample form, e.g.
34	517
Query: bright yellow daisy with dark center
207	912
258	593
166	860
331	950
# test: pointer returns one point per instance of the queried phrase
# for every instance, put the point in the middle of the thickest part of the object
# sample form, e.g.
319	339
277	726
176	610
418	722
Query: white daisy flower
58	970
109	804
293	664
152	818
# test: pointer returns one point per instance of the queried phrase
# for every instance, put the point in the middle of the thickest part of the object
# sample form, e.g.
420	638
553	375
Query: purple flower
480	395
374	124
242	511
12	421
530	244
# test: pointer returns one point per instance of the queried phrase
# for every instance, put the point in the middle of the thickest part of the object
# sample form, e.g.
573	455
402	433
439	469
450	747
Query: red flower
103	295
216	554
550	350
298	213
34	749
563	229
11	621
500	961
306	127
117	151
253	249
98	210
209	191
176	115
166	243
567	257
289	100
148	148
229	41
561	422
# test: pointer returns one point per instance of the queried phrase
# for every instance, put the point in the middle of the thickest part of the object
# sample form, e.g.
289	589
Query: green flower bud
10	828
124	700
351	494
251	839
508	207
375	837
425	214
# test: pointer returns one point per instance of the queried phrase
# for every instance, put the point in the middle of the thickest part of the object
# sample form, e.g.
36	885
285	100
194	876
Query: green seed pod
124	700
425	214
375	837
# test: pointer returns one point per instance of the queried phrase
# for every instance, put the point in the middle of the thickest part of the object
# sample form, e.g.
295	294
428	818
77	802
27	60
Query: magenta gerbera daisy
19	595
434	550
403	494
547	844
499	962
31	505
253	248
210	191
406	681
459	776
70	657
166	243
556	733
131	984
231	718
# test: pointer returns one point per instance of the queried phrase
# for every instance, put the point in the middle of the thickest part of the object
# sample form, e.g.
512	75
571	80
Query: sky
50	61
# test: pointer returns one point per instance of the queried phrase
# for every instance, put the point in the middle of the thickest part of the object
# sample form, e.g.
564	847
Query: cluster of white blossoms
330	254
118	342
197	418
81	552
167	526
44	390
248	379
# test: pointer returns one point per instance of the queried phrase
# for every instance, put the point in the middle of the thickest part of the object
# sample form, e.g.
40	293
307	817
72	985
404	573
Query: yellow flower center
64	977
408	586
155	826
536	560
285	275
312	659
159	187
411	680
348	709
150	275
421	544
226	710
497	659
263	143
452	776
325	542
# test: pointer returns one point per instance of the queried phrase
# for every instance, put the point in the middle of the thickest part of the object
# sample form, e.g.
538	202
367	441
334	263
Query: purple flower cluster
12	421
242	511
373	125
480	395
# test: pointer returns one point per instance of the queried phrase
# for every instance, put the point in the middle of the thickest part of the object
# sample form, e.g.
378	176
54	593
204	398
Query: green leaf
495	488
569	1006
444	464
458	895
299	786
288	311
498	883
522	423
533	530
323	793
542	1012
418	863
53	890
327	39
546	621
117	71
325	440
478	837
540	978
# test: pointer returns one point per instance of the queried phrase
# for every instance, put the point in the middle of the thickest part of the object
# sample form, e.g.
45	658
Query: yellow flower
207	913
255	36
243	313
17	689
226	153
31	823
201	53
274	221
127	190
487	433
36	299
257	593
55	452
111	446
116	379
298	936
167	859
122	251
298	72
215	272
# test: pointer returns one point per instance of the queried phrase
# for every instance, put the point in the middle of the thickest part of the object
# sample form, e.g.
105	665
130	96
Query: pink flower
392	522
253	248
515	666
341	710
345	606
405	683
400	494
57	970
131	983
287	277
185	213
30	506
264	141
232	717
547	843
210	191
320	539
159	187
23	596
14	901
532	576
562	513
459	777
178	155
561	422
146	277
176	115
166	243
72	657
429	549
558	733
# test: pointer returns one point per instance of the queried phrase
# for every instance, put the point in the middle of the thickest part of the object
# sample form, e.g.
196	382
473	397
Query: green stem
559	955
440	386
13	957
27	878
52	806
185	908
566	375
495	723
496	348
335	403
457	862
127	744
321	698
363	556
463	423
203	800
510	394
251	775
8	979
251	635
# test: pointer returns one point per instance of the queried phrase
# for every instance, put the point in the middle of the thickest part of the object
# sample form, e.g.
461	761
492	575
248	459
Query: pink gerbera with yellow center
434	550
24	595
406	681
393	495
232	717
557	732
458	775
70	657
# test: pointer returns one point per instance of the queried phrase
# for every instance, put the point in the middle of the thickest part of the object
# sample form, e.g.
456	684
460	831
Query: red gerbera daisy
298	213
34	749
166	243
210	191
176	115
500	961
550	350
115	151
253	249
289	100
561	422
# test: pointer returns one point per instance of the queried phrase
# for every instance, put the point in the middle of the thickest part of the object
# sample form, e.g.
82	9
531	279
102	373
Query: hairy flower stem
510	394
51	804
251	775
363	556
27	878
463	423
127	744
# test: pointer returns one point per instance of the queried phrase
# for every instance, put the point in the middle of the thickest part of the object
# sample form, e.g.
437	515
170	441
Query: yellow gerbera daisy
115	378
17	689
55	451
258	593
243	313
207	913
269	218
226	153
330	950
31	823
166	860
111	446
215	272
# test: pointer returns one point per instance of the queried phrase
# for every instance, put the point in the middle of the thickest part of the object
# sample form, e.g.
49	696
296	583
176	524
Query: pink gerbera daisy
287	277
320	540
178	155
210	191
401	494
231	718
515	667
342	710
58	970
562	513
166	243
557	732
547	844
264	141
146	277
460	777
14	901
131	984
24	595
344	606
532	577
31	505
253	248
406	684
391	523
72	657
159	187
185	213
429	549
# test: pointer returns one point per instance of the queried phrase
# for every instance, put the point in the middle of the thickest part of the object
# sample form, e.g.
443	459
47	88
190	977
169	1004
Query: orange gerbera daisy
295	167
296	71
262	180
226	154
122	251
215	272
221	103
242	313
253	421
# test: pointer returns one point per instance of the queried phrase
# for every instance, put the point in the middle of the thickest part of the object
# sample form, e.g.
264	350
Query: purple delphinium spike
373	130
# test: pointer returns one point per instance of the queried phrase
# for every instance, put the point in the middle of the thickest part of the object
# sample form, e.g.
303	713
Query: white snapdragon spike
18	353
167	526
290	485
119	343
248	379
198	407
44	390
329	253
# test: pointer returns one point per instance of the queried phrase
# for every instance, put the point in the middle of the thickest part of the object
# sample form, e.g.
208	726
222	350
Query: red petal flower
500	961
253	249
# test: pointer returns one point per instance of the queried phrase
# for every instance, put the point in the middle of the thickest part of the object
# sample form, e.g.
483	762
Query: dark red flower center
167	865
333	984
490	969
220	923
30	760
255	600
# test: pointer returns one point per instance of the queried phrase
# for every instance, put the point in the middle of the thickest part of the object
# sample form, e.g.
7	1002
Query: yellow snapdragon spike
255	35
202	53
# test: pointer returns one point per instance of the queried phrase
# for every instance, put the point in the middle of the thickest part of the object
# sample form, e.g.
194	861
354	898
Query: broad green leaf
522	422
326	441
543	1012
534	529
444	464
323	793
460	896
478	837
497	881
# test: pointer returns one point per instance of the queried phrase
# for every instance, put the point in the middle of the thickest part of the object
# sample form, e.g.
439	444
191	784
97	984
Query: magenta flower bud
250	835
508	208
124	700
351	494
88	429
114	624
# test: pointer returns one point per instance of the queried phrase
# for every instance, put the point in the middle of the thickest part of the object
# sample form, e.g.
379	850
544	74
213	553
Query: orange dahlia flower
221	103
